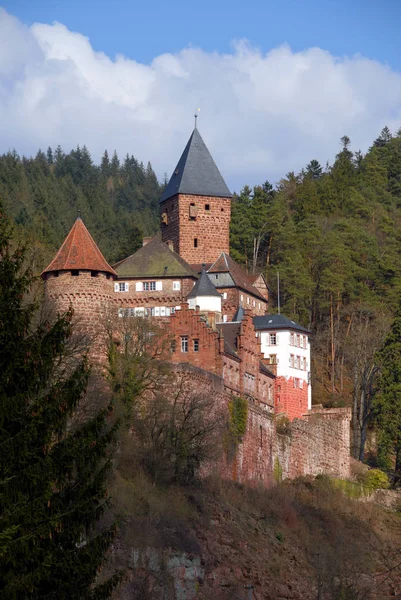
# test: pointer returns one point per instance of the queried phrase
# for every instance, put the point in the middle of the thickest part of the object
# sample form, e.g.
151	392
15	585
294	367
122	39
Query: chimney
146	240
170	245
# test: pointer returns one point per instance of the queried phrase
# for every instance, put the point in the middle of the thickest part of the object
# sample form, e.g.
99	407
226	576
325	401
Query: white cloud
261	114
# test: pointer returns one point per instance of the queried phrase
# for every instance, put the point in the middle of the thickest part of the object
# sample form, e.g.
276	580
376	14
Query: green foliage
52	471
283	424
387	403
333	235
238	409
375	479
119	202
277	470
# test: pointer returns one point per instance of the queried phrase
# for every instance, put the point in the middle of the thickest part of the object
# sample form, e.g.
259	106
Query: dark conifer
52	475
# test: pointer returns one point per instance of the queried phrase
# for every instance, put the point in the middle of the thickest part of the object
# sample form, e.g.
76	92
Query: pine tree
388	400
52	475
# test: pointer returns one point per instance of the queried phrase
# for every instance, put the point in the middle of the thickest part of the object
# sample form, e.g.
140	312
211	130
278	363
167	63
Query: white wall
283	350
206	303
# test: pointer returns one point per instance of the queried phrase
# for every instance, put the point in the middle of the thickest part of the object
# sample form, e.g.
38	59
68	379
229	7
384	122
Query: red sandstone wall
210	227
90	298
290	400
186	322
318	444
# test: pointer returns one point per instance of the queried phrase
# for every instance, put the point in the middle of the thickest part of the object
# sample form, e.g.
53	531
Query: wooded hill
333	233
117	200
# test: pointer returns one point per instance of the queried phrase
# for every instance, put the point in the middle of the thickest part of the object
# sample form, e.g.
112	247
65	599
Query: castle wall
318	444
188	220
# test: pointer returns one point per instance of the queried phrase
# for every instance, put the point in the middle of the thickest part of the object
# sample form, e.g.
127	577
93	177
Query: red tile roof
79	252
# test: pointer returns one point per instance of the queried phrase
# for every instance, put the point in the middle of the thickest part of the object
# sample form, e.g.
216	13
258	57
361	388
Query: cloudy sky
276	87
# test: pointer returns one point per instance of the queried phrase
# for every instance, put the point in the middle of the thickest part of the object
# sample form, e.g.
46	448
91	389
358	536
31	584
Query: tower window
75	273
222	209
207	206
196	345
192	211
195	242
94	273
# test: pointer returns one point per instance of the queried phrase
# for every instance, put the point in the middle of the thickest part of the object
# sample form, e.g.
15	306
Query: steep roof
196	172
225	264
277	322
203	287
239	314
79	252
155	259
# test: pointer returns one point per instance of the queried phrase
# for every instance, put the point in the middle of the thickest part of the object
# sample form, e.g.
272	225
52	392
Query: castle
217	315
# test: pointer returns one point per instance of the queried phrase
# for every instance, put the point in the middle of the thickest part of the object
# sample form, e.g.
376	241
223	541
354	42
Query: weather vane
196	115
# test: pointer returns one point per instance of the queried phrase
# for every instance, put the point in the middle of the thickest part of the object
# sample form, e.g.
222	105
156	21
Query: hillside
300	540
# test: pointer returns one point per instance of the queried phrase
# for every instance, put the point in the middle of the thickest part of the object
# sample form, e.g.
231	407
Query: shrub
283	424
376	479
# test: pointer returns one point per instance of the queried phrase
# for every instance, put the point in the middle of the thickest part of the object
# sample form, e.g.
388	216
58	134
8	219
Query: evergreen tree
388	400
52	474
314	169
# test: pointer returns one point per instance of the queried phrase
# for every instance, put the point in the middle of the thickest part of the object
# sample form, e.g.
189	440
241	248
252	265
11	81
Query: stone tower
195	207
80	277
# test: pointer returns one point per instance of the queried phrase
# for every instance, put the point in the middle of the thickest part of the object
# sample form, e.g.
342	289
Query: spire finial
196	115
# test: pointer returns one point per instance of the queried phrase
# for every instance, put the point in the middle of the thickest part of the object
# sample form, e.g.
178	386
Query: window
196	345
272	339
224	295
298	340
172	346
273	359
304	341
247	300
224	318
75	273
184	343
207	206
192	212
176	285
292	360
94	273
301	384
253	303
291	339
259	305
121	287
149	286
304	365
195	242
242	297
298	362
296	382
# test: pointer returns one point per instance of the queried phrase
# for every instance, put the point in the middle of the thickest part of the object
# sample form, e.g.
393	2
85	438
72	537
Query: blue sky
143	30
279	82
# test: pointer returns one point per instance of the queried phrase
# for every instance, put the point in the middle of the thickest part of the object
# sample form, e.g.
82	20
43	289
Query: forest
332	234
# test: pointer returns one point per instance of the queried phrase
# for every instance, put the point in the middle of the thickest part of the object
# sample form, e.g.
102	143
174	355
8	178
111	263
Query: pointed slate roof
203	287
196	173
225	264
79	252
151	261
239	314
